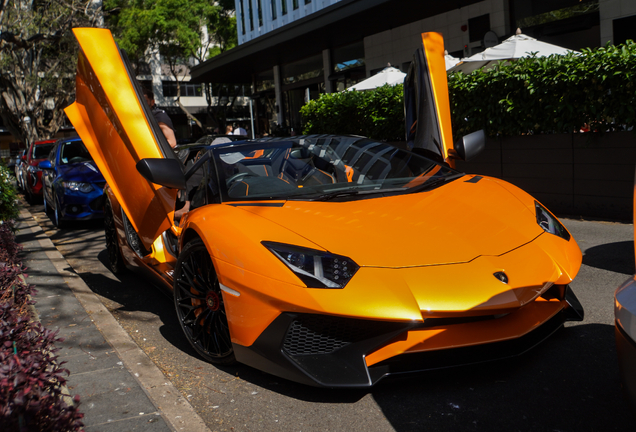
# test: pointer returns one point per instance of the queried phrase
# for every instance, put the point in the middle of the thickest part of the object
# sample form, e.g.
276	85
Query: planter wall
581	175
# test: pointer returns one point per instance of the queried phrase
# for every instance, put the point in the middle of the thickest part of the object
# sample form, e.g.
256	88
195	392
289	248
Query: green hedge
556	94
8	196
377	114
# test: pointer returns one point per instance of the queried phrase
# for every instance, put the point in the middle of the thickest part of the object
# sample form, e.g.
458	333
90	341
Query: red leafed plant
31	379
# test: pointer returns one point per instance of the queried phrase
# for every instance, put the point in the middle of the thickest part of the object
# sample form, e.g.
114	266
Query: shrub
8	196
377	114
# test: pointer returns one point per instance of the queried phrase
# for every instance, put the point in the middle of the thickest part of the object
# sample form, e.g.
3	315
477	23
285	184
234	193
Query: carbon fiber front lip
346	366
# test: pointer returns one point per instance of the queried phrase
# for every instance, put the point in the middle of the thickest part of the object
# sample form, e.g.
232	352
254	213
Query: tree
38	56
182	32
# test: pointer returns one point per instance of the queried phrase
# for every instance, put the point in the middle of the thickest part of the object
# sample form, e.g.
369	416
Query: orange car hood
451	224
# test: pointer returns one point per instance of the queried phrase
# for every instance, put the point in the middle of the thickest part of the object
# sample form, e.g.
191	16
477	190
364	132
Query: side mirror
470	145
46	164
164	172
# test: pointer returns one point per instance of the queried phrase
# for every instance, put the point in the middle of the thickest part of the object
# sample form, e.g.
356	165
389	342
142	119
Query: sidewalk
120	388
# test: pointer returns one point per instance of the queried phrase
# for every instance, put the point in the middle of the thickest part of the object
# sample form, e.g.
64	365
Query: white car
625	329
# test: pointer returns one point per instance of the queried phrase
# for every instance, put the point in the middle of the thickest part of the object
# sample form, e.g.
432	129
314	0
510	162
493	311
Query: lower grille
321	334
97	204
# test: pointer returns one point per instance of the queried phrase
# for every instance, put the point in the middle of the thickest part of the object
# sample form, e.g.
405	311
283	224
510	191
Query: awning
340	24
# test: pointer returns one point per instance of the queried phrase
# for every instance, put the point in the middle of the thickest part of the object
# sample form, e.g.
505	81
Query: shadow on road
568	383
617	257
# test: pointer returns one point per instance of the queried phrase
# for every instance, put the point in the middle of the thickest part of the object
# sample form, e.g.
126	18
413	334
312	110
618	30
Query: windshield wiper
332	195
340	194
434	183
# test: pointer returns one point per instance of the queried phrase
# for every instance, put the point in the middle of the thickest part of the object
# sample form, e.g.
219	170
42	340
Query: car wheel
115	258
199	303
57	216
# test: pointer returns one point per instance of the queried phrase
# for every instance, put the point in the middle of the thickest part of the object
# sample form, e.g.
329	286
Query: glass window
624	28
251	15
41	150
242	14
260	14
478	27
264	81
274	9
537	12
305	69
187	89
348	57
284	7
295	4
74	152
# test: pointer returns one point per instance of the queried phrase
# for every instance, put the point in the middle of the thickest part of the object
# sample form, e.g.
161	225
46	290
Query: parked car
17	168
13	160
625	330
328	260
30	172
73	186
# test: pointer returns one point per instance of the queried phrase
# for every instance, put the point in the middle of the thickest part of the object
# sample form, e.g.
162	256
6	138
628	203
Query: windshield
41	151
333	168
74	152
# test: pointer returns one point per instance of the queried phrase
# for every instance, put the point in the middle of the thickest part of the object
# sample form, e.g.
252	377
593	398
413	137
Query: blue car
72	184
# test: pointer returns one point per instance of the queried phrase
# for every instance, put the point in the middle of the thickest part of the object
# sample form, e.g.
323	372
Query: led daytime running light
317	269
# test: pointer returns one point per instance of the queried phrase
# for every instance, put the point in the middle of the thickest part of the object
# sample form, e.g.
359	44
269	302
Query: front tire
47	207
57	215
199	303
115	258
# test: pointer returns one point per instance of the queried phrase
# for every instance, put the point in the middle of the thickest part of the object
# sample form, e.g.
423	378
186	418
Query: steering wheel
237	177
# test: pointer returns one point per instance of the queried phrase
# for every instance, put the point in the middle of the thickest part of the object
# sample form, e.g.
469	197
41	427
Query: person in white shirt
240	131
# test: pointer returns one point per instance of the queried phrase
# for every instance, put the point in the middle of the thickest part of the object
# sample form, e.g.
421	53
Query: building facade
291	51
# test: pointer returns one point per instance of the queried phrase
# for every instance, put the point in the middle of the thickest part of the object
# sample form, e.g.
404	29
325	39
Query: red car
32	175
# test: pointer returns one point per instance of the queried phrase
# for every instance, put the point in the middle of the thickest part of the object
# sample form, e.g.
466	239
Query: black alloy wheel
199	303
115	257
57	215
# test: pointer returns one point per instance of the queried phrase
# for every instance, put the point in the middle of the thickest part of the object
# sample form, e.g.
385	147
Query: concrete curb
174	408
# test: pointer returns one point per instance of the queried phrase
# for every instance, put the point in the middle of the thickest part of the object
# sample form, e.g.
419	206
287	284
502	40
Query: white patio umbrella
388	75
450	60
514	47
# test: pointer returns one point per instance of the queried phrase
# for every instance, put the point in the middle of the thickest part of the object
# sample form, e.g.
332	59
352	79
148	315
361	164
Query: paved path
120	388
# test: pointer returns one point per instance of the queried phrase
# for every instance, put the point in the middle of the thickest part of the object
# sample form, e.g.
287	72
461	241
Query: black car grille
97	204
321	334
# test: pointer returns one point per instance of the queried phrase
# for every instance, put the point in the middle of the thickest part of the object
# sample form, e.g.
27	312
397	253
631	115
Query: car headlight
317	269
549	223
78	186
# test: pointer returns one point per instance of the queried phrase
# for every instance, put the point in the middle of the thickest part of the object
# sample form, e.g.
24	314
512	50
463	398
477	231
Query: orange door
118	128
426	103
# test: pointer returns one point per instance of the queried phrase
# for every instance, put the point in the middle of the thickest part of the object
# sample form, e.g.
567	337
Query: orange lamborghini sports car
332	261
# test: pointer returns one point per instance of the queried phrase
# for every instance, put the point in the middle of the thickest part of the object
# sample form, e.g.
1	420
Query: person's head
149	96
228	129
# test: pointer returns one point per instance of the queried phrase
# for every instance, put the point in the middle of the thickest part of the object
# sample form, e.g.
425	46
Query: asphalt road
568	383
